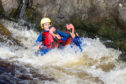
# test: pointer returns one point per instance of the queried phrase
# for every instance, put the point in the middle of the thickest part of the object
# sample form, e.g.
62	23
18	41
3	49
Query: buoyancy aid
68	41
71	31
57	38
58	42
48	40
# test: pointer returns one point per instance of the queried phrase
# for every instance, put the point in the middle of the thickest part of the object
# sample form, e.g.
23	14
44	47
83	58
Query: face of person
46	26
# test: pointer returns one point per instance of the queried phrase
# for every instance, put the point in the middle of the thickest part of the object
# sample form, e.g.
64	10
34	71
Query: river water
95	65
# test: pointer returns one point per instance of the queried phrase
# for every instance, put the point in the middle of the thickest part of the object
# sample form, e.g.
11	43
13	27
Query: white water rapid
95	65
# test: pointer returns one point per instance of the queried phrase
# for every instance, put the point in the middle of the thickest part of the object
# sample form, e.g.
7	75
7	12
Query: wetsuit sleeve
64	36
78	42
39	39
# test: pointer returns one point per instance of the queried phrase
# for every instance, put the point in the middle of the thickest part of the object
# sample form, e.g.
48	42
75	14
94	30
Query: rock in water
6	36
9	5
122	56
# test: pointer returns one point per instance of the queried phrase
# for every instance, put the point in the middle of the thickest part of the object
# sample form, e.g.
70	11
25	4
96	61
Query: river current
97	64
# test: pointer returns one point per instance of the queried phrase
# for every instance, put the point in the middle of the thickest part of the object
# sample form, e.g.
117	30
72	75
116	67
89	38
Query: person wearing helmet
74	37
48	38
45	39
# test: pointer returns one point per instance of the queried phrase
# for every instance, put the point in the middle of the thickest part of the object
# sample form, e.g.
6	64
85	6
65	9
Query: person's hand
58	36
72	35
51	30
39	47
77	34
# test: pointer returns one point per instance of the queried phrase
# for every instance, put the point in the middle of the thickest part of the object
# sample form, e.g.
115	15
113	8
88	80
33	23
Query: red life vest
48	40
60	41
57	42
68	41
72	35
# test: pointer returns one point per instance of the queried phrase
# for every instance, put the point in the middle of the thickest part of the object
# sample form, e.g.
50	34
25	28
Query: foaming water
95	65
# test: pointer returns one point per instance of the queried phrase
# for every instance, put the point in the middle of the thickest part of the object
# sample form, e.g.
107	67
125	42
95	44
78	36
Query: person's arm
64	36
38	41
78	42
62	33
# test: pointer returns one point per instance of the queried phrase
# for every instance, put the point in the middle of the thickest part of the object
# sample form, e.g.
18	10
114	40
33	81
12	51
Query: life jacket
57	40
70	39
48	40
